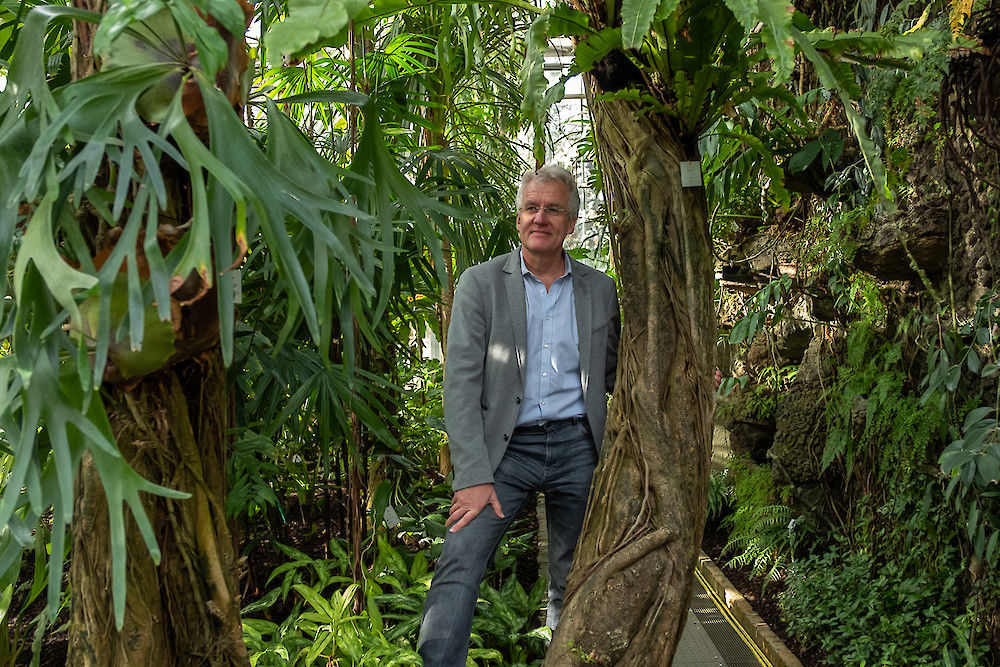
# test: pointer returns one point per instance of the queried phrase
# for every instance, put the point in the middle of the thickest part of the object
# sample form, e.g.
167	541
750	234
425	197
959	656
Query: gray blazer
484	367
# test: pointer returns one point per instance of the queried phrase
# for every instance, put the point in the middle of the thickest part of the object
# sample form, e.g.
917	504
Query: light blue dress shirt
552	387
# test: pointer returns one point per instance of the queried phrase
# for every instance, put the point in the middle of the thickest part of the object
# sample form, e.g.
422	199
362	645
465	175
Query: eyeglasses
552	211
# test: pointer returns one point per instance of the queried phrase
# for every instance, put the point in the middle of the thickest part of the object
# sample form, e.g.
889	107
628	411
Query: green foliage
762	530
907	96
57	140
719	494
250	472
871	412
375	621
959	366
308	24
893	597
766	302
17	596
346	623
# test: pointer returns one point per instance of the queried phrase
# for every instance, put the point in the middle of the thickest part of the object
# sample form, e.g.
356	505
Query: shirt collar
526	272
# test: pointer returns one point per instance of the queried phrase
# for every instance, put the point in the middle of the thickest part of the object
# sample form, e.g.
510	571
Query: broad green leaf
309	22
156	341
805	156
568	22
776	17
533	81
988	466
212	50
317	601
228	13
123	15
975	417
596	47
637	15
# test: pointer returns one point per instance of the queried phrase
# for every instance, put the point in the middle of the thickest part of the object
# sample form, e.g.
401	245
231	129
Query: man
532	354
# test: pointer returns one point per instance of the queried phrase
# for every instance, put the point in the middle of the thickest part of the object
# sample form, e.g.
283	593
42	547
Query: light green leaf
568	22
596	47
637	15
533	81
212	50
776	17
156	342
309	23
317	601
229	13
38	247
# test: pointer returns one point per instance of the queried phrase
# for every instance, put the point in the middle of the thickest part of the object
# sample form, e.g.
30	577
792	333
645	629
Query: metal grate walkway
710	639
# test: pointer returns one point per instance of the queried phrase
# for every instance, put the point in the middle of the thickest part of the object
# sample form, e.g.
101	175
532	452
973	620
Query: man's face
543	233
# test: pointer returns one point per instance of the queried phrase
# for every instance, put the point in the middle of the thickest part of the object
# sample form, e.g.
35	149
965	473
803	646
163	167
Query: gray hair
548	173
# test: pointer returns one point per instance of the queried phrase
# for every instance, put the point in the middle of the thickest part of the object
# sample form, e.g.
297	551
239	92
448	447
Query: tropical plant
890	595
763	531
130	198
662	75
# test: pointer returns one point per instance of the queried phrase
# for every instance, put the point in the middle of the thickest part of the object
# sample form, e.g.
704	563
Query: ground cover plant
225	257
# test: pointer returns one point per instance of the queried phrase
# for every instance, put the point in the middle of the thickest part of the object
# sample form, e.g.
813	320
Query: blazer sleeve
464	368
614	333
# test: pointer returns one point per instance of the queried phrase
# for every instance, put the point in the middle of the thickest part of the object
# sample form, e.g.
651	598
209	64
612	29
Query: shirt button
546	345
545	375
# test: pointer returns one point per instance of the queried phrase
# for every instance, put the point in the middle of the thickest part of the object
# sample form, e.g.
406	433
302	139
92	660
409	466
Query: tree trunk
630	587
171	428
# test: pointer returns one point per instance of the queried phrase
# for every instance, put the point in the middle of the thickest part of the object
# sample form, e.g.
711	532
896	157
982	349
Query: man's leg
569	473
451	600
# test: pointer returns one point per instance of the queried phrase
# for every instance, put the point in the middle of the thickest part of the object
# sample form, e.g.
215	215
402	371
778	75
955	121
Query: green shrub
892	595
375	621
762	530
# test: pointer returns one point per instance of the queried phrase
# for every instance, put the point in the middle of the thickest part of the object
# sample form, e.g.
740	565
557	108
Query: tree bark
172	429
630	586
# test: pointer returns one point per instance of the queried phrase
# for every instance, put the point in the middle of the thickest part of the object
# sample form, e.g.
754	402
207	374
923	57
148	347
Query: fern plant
762	530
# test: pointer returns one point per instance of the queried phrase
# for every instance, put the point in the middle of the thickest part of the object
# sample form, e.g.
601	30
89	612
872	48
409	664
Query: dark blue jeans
557	460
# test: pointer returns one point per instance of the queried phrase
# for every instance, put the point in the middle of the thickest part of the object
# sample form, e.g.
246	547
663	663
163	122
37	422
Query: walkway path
721	630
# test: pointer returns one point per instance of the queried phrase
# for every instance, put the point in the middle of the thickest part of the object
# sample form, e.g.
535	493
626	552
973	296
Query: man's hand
718	379
467	503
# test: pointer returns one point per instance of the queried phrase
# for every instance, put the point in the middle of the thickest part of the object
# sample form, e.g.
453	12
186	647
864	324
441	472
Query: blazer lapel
584	318
514	284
